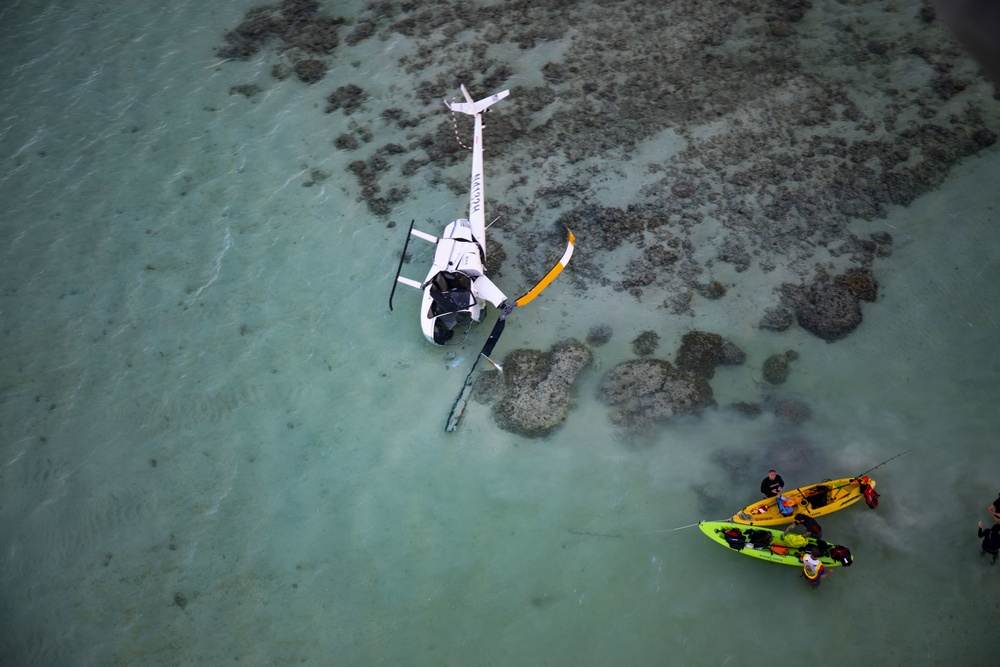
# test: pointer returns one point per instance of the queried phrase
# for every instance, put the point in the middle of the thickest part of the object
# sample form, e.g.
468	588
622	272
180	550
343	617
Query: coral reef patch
701	351
751	136
646	343
831	311
536	388
776	368
642	391
790	124
791	411
599	335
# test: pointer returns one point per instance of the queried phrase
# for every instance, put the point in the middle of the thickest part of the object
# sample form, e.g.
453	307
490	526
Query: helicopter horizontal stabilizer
472	108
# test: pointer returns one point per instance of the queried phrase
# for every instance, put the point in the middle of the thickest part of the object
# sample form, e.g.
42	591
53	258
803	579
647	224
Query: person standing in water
812	569
773	484
994	509
991	540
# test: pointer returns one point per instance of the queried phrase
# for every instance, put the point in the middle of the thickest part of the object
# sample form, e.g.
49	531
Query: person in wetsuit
772	484
994	509
812	526
991	540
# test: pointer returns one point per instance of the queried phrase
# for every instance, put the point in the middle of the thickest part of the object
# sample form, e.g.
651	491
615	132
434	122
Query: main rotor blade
551	275
458	408
494	336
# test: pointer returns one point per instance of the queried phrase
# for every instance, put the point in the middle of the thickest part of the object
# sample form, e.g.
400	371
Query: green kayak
769	544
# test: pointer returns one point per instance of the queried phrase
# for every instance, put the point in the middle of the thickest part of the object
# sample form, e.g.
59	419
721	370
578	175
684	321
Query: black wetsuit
812	527
991	542
769	487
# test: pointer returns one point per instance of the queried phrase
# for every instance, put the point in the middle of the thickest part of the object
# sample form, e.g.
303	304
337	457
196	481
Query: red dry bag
871	497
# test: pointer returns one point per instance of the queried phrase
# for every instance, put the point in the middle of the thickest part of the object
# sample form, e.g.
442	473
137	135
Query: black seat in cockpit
451	302
451	292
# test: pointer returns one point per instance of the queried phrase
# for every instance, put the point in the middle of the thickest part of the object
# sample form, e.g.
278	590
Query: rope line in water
584	532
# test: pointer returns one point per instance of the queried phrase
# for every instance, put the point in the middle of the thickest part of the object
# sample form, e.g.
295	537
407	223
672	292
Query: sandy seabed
217	446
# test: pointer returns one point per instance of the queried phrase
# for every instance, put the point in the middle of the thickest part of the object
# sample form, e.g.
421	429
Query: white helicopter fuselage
456	288
450	292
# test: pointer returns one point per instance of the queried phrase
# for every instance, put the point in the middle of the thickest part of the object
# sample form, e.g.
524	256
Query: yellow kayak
815	500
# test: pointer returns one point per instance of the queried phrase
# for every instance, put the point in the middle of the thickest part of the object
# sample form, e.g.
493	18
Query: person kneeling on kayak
812	569
813	529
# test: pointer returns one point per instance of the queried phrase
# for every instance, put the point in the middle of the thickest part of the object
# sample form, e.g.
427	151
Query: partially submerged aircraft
456	288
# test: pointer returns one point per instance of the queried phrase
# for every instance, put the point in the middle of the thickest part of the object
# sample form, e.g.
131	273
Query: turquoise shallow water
218	446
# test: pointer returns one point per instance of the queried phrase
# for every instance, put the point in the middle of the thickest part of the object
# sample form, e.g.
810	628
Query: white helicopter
456	288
